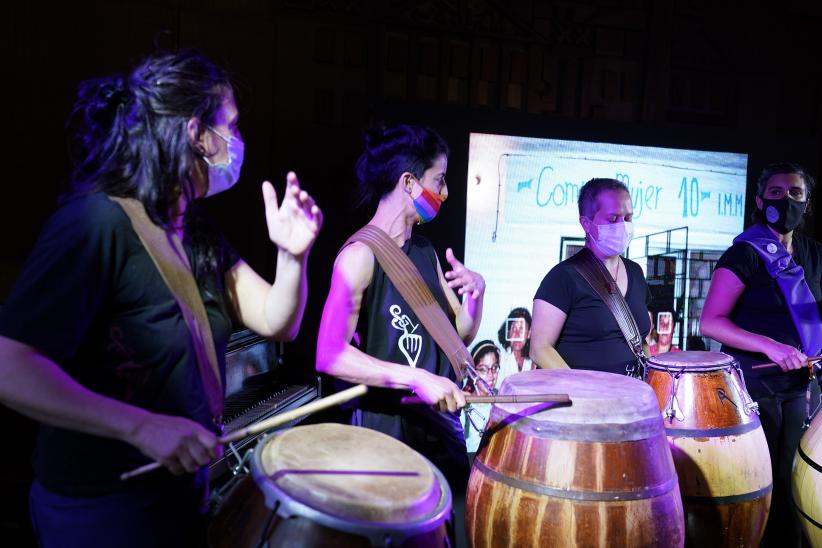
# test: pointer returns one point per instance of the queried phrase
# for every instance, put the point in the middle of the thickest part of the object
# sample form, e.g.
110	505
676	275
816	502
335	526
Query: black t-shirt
90	298
761	308
591	338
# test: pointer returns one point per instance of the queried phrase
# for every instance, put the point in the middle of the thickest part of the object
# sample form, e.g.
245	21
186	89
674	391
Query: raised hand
294	225
466	281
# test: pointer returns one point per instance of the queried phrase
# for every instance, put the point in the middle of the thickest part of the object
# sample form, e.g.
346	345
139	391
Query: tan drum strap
594	272
408	281
167	253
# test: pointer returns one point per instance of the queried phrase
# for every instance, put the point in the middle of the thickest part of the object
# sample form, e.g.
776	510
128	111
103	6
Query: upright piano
258	386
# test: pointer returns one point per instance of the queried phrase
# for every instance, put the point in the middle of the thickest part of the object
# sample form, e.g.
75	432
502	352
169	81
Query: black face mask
784	214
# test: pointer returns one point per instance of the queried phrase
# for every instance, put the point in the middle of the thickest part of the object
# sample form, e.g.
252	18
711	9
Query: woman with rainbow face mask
402	171
571	324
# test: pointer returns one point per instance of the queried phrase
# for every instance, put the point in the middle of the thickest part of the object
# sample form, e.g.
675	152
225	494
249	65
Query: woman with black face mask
763	306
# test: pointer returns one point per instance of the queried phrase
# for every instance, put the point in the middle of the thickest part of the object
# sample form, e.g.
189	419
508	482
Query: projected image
522	217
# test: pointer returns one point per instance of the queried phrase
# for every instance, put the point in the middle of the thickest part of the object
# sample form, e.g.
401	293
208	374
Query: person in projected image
771	270
660	340
514	337
572	325
486	357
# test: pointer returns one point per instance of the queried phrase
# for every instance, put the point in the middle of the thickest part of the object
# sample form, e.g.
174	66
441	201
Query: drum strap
408	281
790	277
594	272
167	253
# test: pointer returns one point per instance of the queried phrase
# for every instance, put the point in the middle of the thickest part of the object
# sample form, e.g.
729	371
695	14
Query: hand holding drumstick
262	426
809	362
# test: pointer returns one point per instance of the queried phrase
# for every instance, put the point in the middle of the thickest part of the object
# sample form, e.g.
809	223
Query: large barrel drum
597	472
336	485
718	445
807	482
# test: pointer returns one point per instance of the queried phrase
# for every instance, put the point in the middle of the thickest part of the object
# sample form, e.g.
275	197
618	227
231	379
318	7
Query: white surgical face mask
614	238
223	176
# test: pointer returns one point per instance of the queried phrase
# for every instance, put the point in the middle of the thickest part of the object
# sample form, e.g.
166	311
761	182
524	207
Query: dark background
311	74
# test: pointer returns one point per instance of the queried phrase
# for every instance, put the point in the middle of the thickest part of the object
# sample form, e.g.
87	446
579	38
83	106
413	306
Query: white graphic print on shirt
409	343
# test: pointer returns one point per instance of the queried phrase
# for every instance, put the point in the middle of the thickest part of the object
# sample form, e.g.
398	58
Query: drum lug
473	413
672	409
240	467
750	405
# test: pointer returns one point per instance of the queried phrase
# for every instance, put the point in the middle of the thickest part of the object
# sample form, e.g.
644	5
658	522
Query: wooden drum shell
807	482
719	450
545	483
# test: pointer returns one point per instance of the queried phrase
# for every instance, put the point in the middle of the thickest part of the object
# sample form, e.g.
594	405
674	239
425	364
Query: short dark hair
781	168
587	201
502	334
391	151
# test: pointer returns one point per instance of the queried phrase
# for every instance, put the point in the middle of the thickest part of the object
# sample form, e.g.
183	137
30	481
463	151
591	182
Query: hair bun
373	137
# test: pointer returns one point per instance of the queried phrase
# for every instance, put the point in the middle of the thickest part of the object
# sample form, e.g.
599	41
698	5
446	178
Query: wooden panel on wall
395	65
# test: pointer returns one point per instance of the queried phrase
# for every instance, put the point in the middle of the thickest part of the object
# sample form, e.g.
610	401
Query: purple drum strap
790	278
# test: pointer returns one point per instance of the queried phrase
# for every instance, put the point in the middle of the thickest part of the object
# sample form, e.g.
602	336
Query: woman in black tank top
403	171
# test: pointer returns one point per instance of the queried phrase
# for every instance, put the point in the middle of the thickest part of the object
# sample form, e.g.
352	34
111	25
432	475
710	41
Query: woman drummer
93	343
747	311
569	314
402	171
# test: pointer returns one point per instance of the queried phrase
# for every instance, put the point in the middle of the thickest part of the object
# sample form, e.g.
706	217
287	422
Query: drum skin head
351	472
691	358
596	397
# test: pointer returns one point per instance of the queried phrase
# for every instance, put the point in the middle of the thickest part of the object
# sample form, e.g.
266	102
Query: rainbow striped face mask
427	204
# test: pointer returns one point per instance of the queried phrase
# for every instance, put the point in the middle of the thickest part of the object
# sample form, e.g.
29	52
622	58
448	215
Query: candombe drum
807	482
597	472
718	445
337	485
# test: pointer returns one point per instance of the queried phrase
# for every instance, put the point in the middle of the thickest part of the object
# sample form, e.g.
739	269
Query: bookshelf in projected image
678	280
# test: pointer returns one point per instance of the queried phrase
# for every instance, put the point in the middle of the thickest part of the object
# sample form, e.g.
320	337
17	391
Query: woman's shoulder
355	264
739	253
88	215
95	206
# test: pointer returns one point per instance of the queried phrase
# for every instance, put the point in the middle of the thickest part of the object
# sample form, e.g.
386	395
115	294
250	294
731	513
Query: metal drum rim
290	506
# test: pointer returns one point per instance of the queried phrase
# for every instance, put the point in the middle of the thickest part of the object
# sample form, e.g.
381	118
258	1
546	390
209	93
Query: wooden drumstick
277	420
513	398
811	360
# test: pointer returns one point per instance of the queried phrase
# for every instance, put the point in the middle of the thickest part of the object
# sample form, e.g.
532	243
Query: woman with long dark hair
94	342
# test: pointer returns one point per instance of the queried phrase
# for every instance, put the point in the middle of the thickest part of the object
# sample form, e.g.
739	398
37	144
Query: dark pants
782	411
138	519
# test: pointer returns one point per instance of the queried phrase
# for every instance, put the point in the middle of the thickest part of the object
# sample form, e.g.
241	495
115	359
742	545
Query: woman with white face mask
571	324
96	344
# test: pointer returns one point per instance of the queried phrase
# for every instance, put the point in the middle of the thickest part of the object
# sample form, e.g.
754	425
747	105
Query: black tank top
390	331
